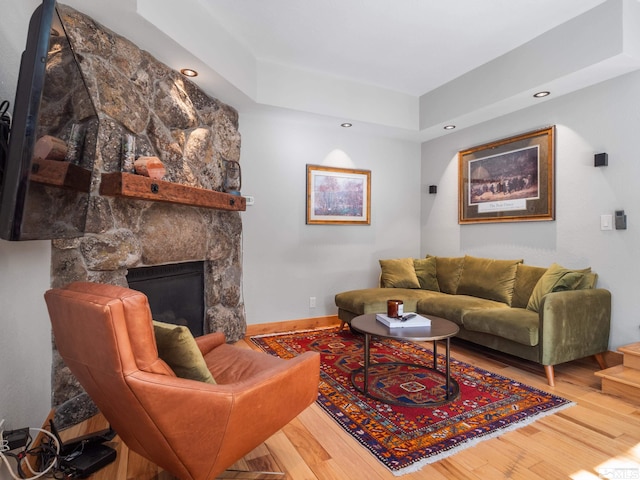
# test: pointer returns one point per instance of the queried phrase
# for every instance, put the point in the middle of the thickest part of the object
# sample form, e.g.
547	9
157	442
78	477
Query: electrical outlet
312	302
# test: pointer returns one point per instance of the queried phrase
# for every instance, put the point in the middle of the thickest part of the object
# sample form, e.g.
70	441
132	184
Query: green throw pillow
399	273
589	281
527	277
488	278
178	348
425	269
448	271
555	279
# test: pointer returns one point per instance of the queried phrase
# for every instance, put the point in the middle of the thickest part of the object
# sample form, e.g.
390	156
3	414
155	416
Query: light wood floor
597	438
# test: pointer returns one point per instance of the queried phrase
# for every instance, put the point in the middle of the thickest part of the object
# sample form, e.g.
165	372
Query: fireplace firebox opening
175	293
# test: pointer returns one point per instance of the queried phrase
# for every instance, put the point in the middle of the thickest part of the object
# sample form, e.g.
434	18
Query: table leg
435	355
448	370
367	339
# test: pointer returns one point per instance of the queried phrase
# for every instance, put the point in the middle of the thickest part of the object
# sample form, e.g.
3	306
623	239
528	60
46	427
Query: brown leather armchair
192	429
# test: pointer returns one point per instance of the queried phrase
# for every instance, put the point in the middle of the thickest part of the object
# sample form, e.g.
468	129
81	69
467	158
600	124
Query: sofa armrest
574	324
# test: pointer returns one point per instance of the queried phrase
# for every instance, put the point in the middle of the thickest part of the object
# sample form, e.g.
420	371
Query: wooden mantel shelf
139	187
57	173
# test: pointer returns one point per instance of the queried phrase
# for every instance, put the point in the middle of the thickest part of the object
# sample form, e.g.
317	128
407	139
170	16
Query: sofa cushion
488	278
454	307
448	270
426	272
399	273
374	300
527	277
556	278
178	348
588	281
517	324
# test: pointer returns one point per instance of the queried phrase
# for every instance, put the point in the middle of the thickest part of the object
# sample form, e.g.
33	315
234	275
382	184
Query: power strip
16	438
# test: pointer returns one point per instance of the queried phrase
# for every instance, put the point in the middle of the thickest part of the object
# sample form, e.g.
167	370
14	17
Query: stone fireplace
194	136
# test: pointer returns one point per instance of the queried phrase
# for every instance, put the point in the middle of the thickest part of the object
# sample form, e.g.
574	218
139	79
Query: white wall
13	37
286	261
602	118
25	341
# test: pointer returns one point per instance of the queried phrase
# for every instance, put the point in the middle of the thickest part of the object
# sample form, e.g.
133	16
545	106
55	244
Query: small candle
395	308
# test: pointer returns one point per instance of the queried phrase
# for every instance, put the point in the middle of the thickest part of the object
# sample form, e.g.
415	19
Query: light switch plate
606	222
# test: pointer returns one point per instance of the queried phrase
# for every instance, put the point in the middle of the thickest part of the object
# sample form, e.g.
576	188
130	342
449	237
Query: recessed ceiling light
346	125
449	127
541	94
188	72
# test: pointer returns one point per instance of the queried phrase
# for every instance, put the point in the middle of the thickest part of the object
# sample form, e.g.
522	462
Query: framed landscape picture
338	196
511	180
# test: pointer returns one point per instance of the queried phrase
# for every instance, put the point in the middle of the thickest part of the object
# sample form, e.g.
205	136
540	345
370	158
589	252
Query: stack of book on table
407	320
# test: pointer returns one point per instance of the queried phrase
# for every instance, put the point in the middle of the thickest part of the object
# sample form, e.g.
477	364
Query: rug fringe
419	465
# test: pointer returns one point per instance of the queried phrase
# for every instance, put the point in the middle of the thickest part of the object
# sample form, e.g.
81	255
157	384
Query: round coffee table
440	329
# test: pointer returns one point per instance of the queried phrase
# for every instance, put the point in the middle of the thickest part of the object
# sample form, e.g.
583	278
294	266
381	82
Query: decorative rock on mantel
192	134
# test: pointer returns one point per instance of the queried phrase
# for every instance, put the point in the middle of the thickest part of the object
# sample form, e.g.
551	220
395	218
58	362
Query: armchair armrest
208	342
574	324
228	420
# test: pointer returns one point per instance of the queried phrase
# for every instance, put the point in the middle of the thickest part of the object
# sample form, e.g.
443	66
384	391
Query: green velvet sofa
546	315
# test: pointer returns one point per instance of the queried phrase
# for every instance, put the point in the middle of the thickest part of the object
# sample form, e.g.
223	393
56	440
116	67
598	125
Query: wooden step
621	381
631	355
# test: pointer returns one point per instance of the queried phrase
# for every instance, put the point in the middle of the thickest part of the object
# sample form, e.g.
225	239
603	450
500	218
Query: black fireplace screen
175	292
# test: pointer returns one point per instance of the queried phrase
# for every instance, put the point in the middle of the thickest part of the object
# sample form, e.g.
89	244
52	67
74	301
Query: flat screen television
46	175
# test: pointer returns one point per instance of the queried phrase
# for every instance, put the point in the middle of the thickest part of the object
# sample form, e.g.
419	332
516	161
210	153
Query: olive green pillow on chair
555	279
399	273
178	348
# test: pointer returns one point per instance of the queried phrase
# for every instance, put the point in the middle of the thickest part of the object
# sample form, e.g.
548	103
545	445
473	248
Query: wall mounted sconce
433	189
621	220
600	160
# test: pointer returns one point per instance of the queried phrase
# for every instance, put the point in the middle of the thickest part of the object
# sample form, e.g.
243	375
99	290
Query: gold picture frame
510	180
338	196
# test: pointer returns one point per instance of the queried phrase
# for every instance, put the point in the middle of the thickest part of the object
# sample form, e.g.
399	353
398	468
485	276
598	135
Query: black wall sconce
600	160
433	189
621	220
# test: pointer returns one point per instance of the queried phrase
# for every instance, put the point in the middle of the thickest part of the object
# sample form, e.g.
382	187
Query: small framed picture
338	196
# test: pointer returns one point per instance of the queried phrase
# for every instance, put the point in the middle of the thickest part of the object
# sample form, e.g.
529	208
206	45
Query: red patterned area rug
405	438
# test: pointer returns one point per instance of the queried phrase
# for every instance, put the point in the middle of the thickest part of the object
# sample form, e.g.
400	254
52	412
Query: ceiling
411	46
401	67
